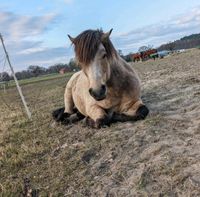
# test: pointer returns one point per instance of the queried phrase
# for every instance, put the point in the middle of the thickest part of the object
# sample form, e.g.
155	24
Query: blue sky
35	31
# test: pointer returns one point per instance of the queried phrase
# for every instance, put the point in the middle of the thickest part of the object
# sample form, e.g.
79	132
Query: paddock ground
159	156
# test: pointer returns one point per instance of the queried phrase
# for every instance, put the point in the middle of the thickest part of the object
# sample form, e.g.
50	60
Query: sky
35	31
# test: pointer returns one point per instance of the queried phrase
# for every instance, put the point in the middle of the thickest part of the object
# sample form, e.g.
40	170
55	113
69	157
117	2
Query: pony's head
94	53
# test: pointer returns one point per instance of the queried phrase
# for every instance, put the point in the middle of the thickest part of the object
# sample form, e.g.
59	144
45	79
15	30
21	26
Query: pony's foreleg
67	114
138	111
97	117
62	114
68	100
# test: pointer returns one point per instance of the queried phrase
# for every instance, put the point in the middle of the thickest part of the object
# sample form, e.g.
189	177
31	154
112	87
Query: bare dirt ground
159	156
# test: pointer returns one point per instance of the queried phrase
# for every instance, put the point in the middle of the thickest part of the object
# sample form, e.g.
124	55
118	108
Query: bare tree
4	77
145	48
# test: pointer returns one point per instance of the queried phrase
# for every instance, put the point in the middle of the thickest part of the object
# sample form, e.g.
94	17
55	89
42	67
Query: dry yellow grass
159	156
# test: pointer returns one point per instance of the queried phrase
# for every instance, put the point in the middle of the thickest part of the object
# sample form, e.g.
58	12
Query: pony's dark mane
87	43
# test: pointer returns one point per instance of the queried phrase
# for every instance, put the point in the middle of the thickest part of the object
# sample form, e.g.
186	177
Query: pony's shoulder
73	79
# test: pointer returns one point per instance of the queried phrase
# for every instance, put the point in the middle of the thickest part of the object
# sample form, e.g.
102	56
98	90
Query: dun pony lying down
106	90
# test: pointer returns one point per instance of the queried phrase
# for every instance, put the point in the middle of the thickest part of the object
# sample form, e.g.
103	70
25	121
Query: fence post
16	81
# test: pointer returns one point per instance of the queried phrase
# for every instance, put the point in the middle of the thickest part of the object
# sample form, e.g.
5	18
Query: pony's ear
106	35
72	39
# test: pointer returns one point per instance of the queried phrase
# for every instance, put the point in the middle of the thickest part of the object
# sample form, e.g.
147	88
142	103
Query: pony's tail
59	115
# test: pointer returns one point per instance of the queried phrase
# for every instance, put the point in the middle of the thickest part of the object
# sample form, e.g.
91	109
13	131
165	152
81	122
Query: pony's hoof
59	115
99	123
142	112
88	122
102	122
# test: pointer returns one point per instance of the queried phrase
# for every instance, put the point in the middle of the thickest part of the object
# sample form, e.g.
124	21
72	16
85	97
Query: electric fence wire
2	76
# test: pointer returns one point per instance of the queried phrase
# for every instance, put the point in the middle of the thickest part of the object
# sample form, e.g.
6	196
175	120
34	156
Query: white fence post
16	81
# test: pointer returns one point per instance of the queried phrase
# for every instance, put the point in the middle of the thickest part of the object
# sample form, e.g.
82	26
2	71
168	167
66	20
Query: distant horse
145	55
136	57
106	90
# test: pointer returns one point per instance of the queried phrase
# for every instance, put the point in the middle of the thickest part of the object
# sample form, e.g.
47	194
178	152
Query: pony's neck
117	72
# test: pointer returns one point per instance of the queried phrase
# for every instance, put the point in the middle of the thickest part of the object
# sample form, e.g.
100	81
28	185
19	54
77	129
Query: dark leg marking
141	114
59	115
88	122
66	118
99	123
74	118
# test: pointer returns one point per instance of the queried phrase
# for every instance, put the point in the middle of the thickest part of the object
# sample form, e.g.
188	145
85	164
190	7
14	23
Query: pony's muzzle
99	94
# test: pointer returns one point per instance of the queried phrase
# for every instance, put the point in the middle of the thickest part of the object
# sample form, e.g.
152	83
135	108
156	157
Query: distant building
63	70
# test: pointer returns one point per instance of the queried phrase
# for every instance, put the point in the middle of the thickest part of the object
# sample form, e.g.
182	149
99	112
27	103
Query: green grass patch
39	79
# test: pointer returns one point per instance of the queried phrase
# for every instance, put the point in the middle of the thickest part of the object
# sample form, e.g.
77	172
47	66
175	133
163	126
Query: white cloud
22	36
31	50
17	27
22	39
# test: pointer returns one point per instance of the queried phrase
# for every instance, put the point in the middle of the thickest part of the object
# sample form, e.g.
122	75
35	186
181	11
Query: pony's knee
138	111
97	117
95	112
132	108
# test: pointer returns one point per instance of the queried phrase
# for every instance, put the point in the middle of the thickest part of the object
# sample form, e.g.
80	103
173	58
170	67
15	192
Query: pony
106	89
136	57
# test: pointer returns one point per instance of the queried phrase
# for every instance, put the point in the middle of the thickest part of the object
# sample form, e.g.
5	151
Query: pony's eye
104	56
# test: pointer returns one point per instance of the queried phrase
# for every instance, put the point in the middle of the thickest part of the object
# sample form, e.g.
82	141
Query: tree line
35	71
186	42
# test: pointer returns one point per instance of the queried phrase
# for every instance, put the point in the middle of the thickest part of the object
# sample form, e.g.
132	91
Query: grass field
159	156
39	79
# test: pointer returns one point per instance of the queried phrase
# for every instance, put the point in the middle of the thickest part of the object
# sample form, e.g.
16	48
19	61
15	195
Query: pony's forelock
86	46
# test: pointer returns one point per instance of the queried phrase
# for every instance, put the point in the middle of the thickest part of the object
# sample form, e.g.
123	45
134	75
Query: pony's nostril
98	94
90	90
103	87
